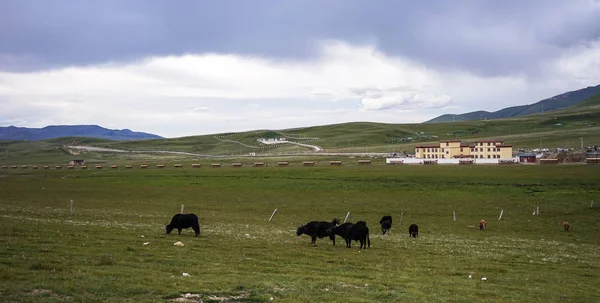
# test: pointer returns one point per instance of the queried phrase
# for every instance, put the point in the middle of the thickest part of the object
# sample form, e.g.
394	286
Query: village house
77	162
453	149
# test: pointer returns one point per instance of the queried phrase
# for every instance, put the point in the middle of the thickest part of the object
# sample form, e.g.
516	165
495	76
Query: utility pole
581	143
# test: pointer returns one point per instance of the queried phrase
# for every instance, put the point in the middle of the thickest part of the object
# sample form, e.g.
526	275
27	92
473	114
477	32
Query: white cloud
393	98
211	93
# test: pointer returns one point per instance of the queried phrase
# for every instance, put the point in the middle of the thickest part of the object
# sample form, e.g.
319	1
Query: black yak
181	221
386	223
413	231
348	231
360	232
342	230
317	229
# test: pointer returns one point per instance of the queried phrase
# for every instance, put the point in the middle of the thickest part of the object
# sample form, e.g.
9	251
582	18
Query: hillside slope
557	102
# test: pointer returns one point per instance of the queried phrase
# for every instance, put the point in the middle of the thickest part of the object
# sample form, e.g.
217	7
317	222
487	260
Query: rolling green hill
564	128
557	102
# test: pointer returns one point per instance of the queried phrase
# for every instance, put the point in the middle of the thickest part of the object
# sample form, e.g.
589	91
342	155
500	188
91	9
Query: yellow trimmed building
452	149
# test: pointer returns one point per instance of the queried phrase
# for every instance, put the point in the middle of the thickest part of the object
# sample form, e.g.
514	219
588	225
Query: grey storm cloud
484	37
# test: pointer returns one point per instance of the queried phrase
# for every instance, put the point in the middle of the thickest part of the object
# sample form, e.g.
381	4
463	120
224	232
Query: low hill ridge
58	131
556	102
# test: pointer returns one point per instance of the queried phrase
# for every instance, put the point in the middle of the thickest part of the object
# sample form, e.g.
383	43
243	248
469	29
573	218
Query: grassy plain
98	254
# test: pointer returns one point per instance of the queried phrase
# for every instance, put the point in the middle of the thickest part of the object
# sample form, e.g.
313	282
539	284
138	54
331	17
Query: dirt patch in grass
46	293
205	298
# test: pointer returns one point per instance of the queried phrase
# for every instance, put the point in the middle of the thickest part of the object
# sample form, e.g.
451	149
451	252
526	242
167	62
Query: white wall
443	161
447	161
403	160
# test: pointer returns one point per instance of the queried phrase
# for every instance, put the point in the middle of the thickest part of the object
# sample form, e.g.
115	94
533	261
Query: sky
183	68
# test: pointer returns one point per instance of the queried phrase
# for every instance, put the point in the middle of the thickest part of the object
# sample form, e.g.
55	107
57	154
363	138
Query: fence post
501	212
401	215
271	218
348	214
592	204
453	215
537	211
182	206
72	207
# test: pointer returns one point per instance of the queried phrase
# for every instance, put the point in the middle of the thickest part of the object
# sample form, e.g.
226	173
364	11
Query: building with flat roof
452	149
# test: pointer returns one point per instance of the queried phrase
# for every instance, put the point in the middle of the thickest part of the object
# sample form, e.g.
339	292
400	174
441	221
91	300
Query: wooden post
501	212
537	211
182	206
72	207
348	214
401	215
592	204
272	215
453	215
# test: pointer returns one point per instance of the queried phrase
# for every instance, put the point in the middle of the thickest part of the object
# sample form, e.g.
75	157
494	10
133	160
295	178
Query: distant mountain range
58	131
560	101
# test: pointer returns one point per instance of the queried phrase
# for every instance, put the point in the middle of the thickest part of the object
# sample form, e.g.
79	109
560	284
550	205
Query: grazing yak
566	226
340	230
360	232
386	223
348	231
482	225
317	229
181	221
413	231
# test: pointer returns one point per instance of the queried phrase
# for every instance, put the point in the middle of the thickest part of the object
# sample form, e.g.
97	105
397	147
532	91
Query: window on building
461	149
443	157
447	152
442	150
489	156
481	149
446	143
417	149
488	149
489	143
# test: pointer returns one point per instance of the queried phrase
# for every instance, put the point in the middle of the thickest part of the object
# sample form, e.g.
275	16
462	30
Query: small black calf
413	231
386	223
181	221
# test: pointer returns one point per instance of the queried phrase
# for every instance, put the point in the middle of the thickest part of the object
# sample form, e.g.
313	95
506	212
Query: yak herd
319	229
315	229
348	231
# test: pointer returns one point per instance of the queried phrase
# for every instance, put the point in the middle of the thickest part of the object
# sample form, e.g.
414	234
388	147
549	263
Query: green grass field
98	254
